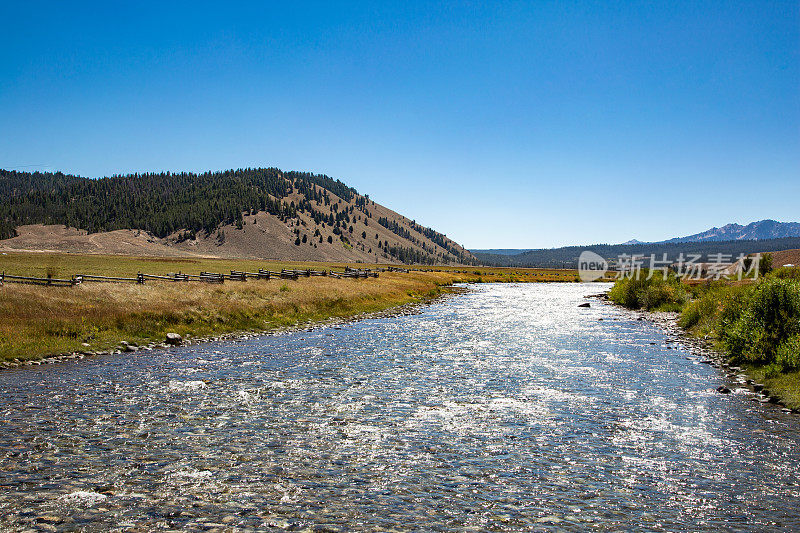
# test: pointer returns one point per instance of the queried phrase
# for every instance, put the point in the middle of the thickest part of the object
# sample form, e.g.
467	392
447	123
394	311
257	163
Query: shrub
786	273
788	355
625	292
663	296
691	315
655	293
765	265
705	313
756	323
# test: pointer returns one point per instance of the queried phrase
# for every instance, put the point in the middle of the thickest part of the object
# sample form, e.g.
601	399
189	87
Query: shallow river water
503	409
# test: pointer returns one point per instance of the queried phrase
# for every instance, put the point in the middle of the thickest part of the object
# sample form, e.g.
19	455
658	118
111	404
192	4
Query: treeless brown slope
786	257
40	238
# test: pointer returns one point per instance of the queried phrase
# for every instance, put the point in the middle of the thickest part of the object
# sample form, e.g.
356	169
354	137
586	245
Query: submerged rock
584	305
723	390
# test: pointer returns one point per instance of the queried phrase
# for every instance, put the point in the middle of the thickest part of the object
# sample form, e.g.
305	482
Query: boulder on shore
173	339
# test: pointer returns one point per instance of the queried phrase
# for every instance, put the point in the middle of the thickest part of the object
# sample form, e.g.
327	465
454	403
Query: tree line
188	203
160	203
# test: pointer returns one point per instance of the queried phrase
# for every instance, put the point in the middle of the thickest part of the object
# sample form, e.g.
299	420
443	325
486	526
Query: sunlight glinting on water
504	408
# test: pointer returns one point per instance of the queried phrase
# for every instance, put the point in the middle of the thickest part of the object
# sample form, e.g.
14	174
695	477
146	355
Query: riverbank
38	322
498	400
748	377
750	328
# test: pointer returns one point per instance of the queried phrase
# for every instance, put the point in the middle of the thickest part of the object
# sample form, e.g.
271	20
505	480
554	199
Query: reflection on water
507	408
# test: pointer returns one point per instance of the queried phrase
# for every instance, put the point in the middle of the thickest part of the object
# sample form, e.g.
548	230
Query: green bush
691	315
765	265
754	324
625	292
702	315
712	305
786	273
788	355
664	296
652	294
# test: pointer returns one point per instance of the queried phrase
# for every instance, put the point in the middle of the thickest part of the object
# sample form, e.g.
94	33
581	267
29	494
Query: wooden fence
205	277
28	280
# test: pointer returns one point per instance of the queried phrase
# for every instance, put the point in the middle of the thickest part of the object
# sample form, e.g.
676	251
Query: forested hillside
315	211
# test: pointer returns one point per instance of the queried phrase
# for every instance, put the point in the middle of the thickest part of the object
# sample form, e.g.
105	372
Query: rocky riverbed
131	347
702	352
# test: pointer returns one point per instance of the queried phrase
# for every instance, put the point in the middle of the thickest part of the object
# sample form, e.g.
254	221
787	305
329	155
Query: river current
505	408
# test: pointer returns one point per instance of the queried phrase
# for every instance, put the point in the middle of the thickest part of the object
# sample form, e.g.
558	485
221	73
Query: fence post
140	278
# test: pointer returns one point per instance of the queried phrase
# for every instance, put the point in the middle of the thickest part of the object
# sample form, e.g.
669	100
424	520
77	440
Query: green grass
783	385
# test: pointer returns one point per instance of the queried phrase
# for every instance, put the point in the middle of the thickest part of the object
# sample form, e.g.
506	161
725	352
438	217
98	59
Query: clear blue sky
502	124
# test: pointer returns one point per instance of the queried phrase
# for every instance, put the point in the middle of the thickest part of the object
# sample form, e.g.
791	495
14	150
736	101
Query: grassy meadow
38	321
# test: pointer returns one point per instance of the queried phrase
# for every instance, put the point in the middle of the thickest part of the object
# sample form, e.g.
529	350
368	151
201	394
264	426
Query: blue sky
501	124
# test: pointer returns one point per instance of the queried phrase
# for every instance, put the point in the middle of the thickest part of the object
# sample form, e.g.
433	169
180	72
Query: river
505	408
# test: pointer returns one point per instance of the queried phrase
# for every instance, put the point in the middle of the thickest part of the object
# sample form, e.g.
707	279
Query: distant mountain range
733	239
755	231
761	230
567	257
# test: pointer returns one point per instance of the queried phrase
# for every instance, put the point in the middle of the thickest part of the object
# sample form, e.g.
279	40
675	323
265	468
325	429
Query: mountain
257	213
567	257
763	229
732	239
501	251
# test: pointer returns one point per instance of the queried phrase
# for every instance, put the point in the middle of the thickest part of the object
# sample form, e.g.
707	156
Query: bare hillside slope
260	213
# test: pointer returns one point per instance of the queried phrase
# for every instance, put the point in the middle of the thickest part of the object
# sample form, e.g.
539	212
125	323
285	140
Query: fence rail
169	277
29	280
205	277
107	279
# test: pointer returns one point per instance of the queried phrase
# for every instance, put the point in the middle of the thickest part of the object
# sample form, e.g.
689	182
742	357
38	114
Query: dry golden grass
37	321
66	265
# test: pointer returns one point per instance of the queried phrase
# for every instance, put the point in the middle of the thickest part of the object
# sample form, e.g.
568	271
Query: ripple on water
185	386
83	498
506	408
